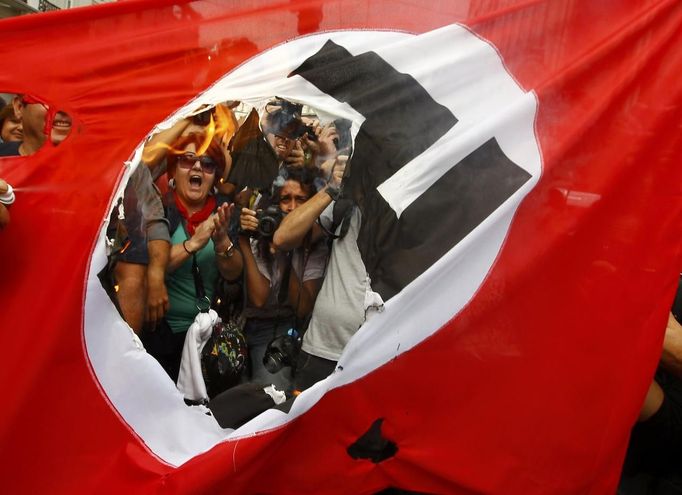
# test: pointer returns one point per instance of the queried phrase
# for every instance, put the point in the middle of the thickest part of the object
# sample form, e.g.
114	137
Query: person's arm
298	223
156	148
4	216
181	252
652	402
302	296
671	359
228	259
257	284
157	296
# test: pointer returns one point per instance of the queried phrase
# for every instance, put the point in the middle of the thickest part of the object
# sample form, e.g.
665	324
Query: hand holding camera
296	156
261	223
248	222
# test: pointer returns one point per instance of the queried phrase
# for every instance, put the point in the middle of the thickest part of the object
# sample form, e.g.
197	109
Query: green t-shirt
180	284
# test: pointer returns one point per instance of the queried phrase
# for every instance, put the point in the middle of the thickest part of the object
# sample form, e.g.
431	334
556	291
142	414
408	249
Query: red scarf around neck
194	220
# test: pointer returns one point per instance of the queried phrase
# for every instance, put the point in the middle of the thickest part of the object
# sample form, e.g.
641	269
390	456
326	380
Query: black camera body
269	220
282	351
287	121
307	130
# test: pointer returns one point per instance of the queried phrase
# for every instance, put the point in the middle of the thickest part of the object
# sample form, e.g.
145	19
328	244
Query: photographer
281	287
291	137
346	298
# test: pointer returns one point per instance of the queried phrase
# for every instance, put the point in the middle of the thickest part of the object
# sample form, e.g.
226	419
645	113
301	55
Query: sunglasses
187	161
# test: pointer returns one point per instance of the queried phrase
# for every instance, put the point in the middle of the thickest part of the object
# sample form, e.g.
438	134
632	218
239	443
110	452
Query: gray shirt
340	306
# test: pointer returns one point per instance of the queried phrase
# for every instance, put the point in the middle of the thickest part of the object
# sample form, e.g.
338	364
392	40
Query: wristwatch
228	252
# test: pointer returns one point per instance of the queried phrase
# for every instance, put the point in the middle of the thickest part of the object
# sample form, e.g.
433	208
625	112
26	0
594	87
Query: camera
307	130
282	351
269	220
286	121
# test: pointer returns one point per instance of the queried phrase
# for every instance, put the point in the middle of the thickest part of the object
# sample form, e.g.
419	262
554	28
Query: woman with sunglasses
199	237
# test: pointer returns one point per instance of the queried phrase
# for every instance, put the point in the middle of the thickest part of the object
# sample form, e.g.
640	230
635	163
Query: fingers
296	156
329	132
155	313
157	304
326	140
338	169
221	224
248	219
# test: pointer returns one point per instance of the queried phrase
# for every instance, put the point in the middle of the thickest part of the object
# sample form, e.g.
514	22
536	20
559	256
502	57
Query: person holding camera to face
292	137
346	298
281	287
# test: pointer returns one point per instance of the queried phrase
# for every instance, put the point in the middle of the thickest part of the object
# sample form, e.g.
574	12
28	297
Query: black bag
223	357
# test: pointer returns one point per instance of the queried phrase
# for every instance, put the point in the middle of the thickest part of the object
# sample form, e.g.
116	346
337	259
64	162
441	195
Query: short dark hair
303	175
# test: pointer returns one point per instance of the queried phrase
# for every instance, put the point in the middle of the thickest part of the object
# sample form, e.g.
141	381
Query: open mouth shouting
195	180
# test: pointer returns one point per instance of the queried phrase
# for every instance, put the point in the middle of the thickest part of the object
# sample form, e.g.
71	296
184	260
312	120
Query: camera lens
273	361
267	226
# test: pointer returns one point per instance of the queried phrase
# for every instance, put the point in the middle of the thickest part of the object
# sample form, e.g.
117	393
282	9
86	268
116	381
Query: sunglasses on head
187	161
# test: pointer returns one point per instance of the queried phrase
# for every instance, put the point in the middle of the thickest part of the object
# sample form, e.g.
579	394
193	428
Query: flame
222	125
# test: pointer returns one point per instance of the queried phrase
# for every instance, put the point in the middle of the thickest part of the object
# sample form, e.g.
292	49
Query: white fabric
191	380
475	86
277	395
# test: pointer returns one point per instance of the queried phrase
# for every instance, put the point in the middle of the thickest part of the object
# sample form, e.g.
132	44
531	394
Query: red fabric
194	220
532	388
49	119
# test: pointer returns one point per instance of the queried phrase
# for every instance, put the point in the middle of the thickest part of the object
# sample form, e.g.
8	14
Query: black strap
203	302
283	293
341	214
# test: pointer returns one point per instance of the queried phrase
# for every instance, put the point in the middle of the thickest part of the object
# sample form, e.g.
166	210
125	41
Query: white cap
8	197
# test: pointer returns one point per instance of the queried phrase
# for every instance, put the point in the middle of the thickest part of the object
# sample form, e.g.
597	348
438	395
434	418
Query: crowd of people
236	213
245	212
26	124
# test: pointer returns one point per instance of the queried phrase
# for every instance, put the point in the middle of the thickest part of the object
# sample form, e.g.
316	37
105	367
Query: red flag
514	361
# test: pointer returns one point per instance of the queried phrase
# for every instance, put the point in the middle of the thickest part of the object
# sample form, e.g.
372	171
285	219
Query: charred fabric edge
372	445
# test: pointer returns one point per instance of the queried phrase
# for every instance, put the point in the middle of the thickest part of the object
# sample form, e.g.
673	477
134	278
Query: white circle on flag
460	71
